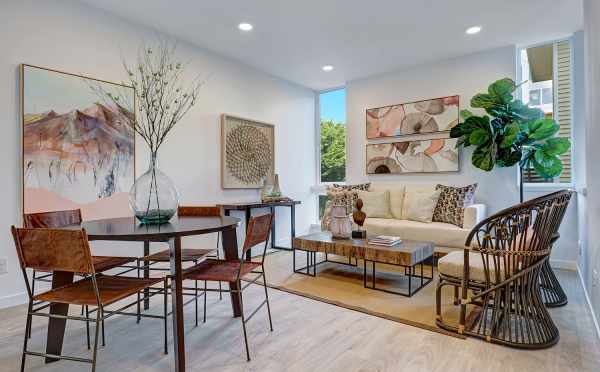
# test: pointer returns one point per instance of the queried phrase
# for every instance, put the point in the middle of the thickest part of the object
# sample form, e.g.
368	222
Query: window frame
320	187
550	186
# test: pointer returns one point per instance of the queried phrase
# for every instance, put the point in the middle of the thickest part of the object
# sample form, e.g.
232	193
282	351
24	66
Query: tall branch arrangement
163	96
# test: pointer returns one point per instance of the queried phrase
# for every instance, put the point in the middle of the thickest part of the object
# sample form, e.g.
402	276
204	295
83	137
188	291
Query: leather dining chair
50	250
258	232
57	219
193	255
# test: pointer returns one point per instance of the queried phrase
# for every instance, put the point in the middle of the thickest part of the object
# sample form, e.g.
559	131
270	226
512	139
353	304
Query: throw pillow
376	204
452	202
358	186
419	206
396	202
346	194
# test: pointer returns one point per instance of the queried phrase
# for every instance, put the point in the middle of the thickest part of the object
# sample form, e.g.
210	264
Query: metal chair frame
515	245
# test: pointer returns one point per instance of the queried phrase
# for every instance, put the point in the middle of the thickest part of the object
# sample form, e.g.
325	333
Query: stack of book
385	240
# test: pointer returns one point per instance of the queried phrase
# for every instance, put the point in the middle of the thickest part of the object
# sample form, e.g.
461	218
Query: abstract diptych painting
419	156
422	117
78	151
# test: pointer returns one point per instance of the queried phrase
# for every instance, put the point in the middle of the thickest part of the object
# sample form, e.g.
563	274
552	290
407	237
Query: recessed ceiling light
473	30
245	26
327	68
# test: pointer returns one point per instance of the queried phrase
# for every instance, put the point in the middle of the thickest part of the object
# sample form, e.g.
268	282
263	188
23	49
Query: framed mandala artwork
247	152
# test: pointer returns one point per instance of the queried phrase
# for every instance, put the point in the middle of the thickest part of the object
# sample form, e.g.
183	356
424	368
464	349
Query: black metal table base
311	262
409	271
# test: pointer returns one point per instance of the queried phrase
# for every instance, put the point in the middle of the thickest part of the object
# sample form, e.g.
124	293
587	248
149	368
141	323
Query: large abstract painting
247	152
78	150
422	117
418	156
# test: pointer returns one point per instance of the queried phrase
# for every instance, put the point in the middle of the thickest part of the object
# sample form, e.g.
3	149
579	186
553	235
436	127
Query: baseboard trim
589	303
564	265
14	300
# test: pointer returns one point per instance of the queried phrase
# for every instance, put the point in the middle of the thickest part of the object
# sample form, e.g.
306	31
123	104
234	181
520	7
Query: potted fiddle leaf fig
511	133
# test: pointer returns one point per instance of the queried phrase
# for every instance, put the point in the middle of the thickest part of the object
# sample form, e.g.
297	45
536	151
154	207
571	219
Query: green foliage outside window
333	151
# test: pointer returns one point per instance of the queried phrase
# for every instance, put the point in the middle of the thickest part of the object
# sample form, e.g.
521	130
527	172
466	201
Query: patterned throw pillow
348	194
451	205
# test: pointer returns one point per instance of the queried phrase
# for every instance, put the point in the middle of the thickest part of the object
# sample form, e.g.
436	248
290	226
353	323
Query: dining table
129	229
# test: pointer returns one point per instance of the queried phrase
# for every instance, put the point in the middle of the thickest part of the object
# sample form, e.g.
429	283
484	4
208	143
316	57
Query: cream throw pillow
376	204
419	206
396	201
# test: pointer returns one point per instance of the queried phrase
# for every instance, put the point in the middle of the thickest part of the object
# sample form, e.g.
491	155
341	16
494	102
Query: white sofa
447	237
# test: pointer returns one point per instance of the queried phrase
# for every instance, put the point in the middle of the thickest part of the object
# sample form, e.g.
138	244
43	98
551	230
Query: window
332	141
332	110
546	71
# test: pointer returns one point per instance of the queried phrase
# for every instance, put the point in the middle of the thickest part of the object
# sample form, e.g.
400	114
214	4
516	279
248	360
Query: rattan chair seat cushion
452	265
219	270
186	255
111	289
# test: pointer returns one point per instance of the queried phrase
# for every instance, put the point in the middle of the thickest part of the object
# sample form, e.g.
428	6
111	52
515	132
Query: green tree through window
333	151
332	108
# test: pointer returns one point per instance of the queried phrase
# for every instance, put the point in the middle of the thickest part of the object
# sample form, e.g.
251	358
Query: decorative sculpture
359	218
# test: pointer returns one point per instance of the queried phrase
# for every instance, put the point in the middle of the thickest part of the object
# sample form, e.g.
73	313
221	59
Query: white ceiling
292	39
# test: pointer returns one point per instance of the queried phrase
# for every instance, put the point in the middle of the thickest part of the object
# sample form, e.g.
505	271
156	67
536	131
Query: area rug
342	285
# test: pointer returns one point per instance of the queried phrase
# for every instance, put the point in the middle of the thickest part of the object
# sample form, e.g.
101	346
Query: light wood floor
308	336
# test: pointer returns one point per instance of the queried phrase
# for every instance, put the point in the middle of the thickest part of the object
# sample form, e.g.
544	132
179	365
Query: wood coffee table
408	254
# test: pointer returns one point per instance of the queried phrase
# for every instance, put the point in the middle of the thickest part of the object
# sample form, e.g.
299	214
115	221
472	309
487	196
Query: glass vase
153	197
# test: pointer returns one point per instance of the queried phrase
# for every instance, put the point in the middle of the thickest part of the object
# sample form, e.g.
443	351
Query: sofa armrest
473	215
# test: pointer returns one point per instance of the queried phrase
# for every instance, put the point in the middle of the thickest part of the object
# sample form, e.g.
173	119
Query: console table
249	206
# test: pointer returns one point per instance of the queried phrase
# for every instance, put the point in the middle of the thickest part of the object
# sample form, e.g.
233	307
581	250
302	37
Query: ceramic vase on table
153	197
340	224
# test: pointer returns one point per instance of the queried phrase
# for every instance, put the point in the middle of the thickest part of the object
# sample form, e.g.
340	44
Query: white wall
464	76
590	263
69	36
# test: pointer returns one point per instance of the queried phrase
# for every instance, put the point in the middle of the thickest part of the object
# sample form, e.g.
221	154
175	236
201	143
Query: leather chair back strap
258	232
190	211
52	219
53	250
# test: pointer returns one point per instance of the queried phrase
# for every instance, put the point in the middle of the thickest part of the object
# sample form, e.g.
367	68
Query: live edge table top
407	252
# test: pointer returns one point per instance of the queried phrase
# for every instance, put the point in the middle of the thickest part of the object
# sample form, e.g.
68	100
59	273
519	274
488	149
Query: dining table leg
56	326
146	274
230	247
177	303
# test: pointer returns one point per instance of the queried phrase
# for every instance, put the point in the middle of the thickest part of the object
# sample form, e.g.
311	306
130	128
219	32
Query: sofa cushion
376	203
441	234
419	206
451	205
452	265
396	196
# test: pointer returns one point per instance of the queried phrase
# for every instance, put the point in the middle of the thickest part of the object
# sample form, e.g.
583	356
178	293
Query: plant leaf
465	114
508	158
503	90
551	170
542	129
479	136
556	146
510	135
484	157
483	100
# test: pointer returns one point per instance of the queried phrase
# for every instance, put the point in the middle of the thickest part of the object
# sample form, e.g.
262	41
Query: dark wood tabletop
130	229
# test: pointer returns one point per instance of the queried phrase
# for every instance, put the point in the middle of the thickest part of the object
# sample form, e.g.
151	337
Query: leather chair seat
219	270
111	289
187	255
